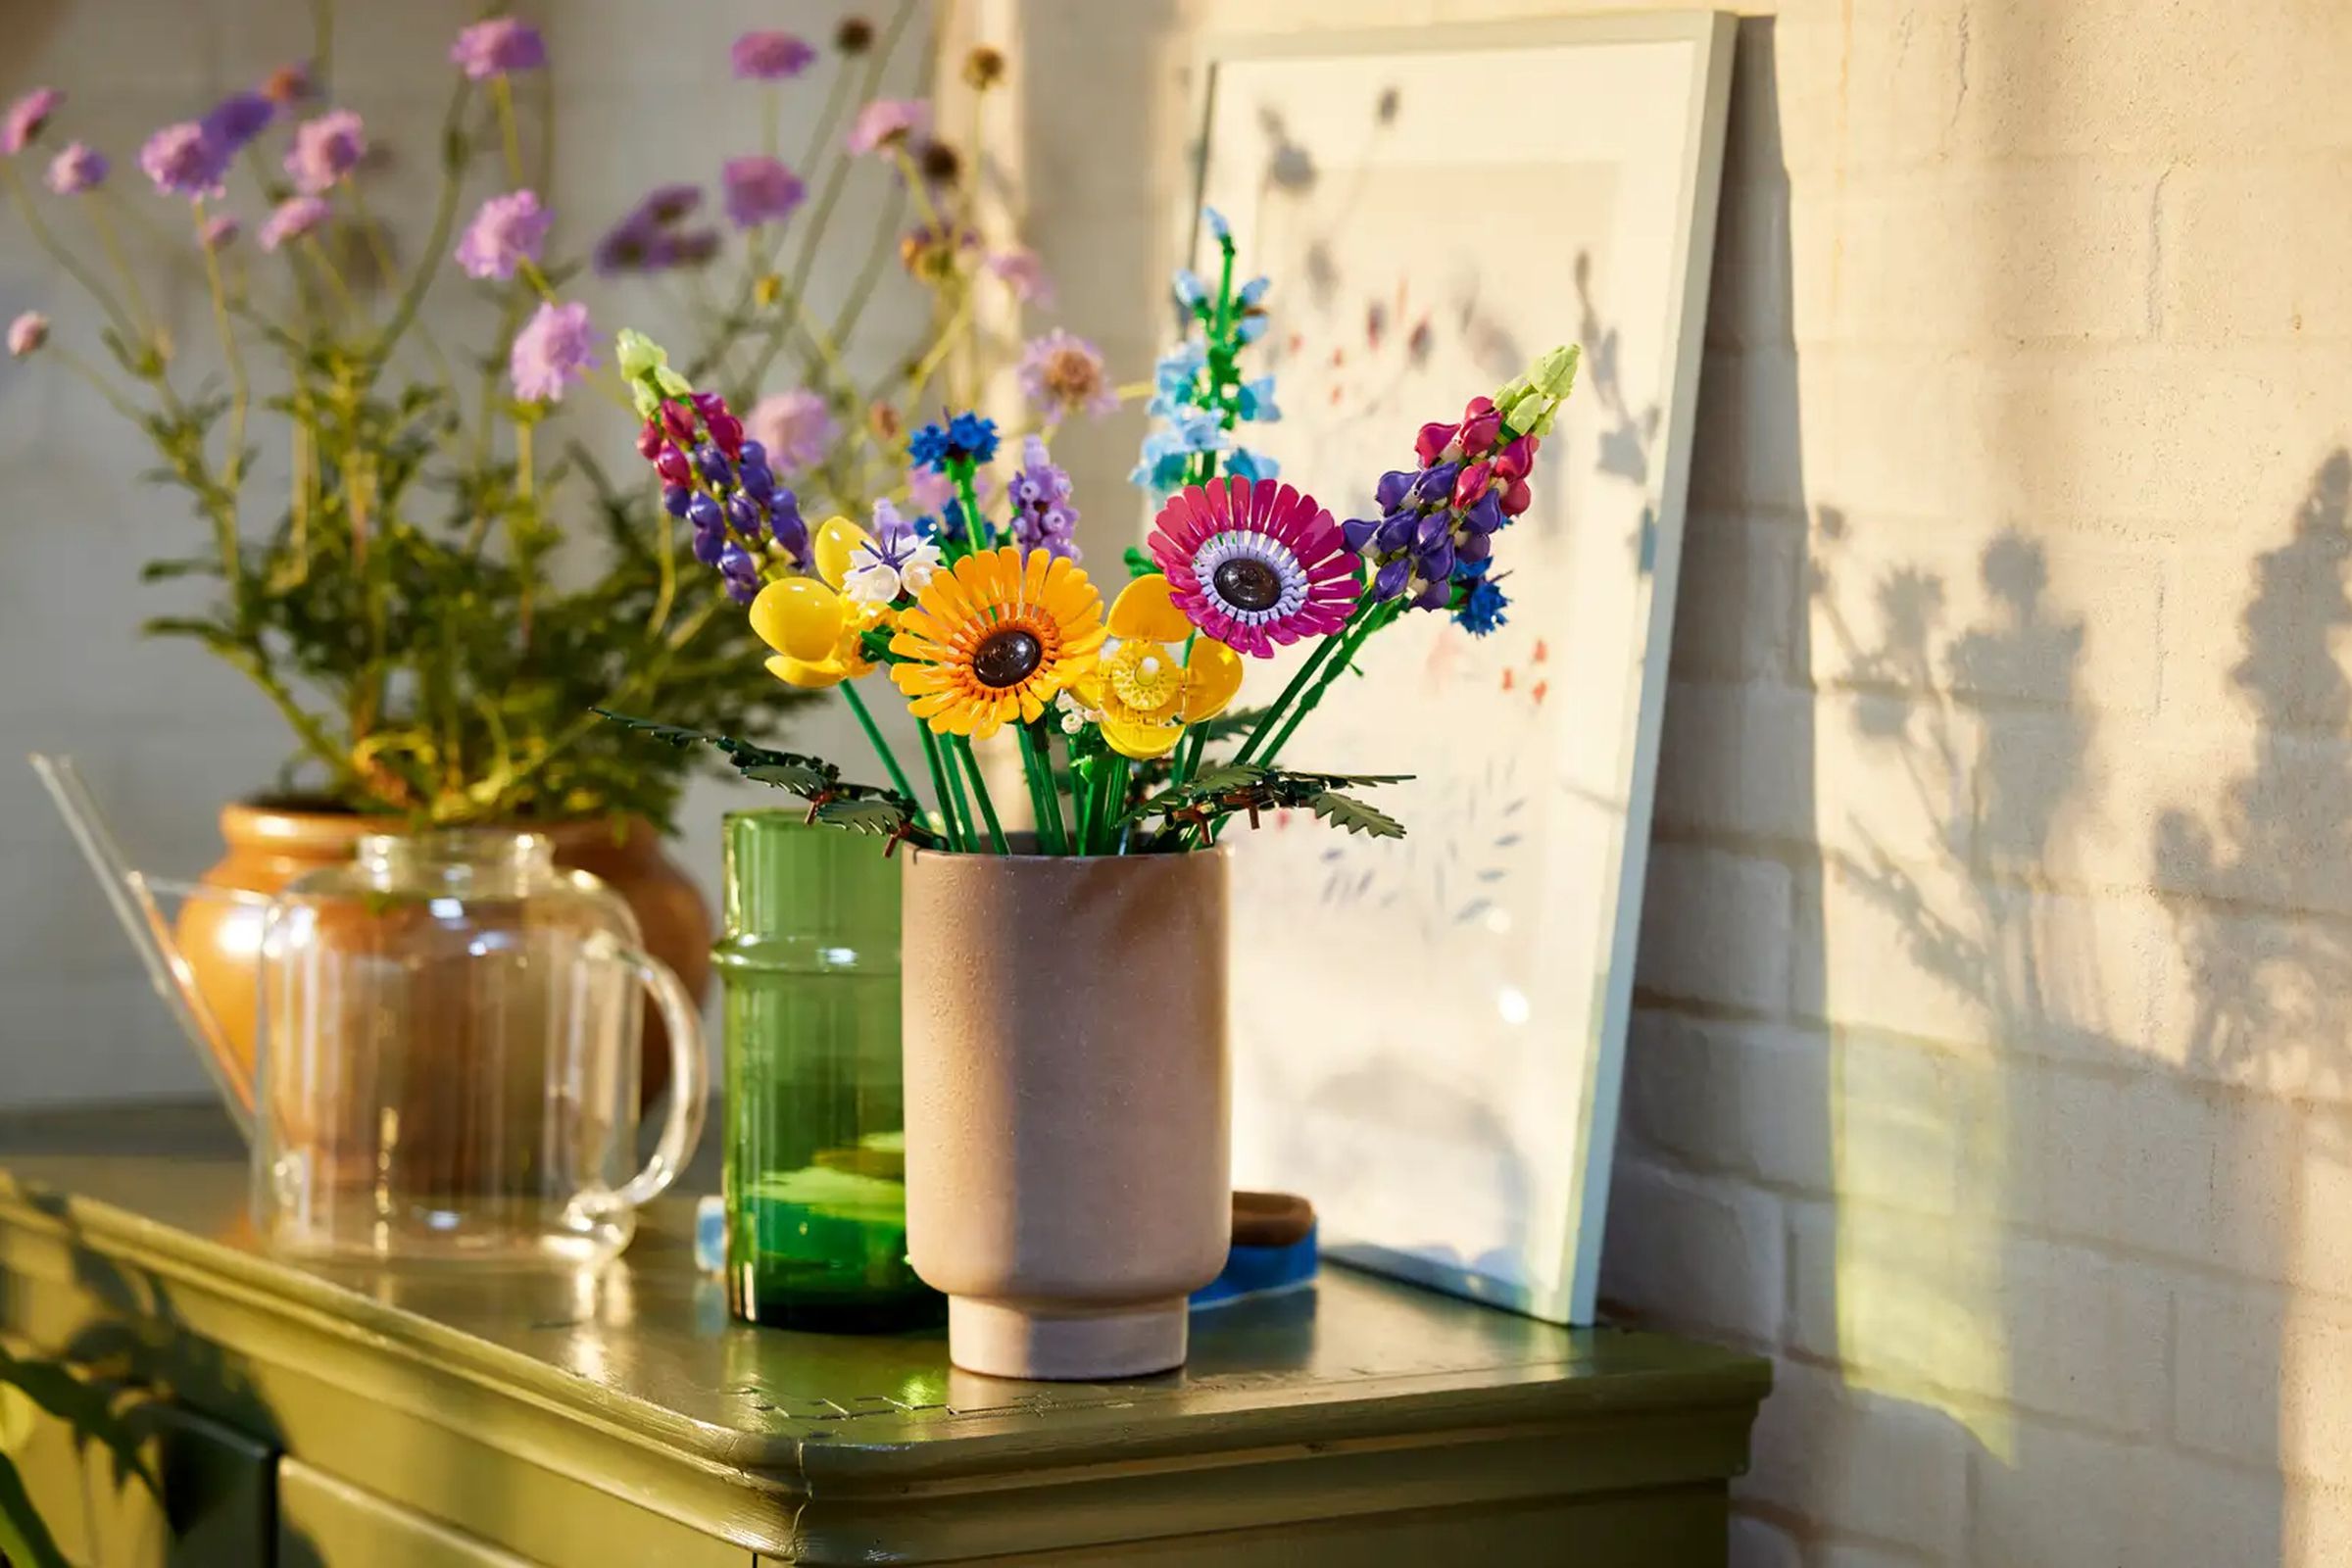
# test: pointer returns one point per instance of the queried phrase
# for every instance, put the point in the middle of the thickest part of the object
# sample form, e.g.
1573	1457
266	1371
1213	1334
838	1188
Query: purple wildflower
26	333
79	168
759	190
770	56
1024	274
889	123
22	125
183	161
293	219
1062	374
497	47
506	232
217	231
238	119
326	149
1043	517
796	428
554	349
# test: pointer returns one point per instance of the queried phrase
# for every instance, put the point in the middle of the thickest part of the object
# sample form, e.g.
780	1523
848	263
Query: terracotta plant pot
270	844
1067	1171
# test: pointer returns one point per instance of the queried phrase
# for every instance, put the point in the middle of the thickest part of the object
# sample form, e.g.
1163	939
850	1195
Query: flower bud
1473	482
1393	487
678	422
726	433
1516	498
714	464
703	513
649	439
670	464
1433	439
710	404
709	544
674	498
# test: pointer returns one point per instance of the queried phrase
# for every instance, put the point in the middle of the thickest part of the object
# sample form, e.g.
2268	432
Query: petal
803	674
1213	675
1142	742
1144	610
798	615
836	538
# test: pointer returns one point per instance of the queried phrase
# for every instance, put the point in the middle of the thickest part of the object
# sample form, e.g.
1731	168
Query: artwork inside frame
1429	1035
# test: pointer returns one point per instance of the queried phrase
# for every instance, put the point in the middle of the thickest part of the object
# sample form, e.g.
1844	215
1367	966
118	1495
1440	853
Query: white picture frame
1461	198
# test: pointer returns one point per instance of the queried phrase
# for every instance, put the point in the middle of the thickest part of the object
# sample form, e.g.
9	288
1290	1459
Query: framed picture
1430	1031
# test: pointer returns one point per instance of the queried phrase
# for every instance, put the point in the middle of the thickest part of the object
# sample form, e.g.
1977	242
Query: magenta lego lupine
294	218
554	349
183	161
1433	545
1061	374
795	428
237	119
889	123
1024	274
326	149
759	190
79	168
26	333
498	47
770	56
507	231
1254	566
22	125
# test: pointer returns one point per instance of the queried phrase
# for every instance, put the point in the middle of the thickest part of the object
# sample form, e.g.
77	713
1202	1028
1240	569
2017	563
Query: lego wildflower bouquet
429	581
985	622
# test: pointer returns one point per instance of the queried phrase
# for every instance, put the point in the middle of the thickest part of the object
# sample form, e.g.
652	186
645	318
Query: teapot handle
689	1086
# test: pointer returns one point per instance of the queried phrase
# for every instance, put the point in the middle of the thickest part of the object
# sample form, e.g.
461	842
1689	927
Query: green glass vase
815	1122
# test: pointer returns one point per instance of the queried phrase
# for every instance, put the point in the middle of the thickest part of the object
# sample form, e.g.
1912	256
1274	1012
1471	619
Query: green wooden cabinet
389	1418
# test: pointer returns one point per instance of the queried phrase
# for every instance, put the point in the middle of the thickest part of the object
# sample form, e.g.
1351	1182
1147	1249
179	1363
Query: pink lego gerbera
1255	565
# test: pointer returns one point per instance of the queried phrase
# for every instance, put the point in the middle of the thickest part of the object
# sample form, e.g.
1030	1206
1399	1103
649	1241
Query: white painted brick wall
1996	979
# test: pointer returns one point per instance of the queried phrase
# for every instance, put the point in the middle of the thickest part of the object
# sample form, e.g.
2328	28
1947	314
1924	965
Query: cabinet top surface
649	1349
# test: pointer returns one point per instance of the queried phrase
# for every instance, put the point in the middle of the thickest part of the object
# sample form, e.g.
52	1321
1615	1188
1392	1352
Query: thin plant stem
1307	672
445	214
960	747
873	733
240	398
89	372
111	244
510	135
1380	616
58	252
950	776
1037	761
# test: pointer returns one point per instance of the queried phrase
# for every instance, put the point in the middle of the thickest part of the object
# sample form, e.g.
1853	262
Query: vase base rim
1002	1340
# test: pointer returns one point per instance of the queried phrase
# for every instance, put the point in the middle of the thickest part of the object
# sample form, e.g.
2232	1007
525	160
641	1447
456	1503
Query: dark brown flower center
1247	584
1006	659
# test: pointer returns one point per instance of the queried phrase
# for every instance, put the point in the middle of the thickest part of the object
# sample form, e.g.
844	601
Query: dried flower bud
287	84
940	163
984	67
854	35
884	421
26	333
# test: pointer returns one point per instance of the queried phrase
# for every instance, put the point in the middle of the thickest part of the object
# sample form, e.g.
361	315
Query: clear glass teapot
447	1057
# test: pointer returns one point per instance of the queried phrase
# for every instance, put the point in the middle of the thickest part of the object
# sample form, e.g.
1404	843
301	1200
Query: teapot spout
131	895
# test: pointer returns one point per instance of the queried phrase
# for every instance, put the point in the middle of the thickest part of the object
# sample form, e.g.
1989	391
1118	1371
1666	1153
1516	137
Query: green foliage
1227	789
832	798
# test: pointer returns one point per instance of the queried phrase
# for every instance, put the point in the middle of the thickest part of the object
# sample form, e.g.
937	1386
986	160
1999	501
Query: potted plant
445	583
1064	990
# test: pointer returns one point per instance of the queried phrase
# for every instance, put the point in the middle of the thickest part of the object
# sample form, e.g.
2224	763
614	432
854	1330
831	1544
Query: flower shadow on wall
2027	1192
2273	994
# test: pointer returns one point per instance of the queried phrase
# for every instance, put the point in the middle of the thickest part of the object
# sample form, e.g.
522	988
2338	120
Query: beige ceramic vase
1067	1171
